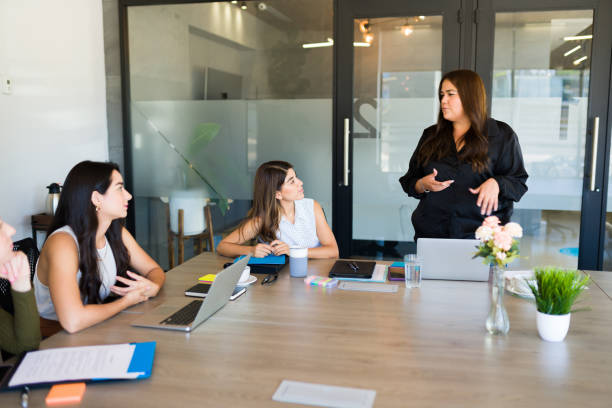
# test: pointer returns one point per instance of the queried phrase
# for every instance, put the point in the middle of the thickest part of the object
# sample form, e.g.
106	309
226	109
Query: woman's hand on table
262	250
279	247
136	283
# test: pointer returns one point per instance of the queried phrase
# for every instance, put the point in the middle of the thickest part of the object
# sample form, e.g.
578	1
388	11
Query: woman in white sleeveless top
88	251
281	218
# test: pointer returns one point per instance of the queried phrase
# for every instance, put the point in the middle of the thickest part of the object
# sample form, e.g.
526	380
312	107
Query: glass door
546	67
392	55
212	90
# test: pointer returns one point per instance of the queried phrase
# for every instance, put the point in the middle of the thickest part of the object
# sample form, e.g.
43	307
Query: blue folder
267	264
142	359
267	260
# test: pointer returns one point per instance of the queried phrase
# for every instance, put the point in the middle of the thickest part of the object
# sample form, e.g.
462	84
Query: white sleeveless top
303	232
106	266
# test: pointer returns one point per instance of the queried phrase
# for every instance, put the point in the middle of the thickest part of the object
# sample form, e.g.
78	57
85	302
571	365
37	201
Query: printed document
75	363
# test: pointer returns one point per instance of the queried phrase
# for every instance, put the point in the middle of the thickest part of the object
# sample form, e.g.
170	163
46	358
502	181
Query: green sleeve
20	332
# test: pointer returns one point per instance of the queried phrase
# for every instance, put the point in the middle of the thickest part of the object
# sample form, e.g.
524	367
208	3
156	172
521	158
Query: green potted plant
555	291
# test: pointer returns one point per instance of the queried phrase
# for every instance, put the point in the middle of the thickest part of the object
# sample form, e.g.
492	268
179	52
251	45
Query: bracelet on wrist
423	185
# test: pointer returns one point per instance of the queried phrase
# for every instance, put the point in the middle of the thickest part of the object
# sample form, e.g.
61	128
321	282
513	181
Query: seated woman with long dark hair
88	250
281	218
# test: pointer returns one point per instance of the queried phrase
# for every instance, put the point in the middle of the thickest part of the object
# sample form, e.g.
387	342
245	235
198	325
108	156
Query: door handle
346	152
594	151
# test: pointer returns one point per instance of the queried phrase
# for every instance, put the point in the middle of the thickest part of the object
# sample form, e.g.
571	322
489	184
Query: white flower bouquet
498	244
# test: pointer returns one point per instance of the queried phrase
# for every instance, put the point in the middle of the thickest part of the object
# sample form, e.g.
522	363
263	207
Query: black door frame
455	38
474	50
593	209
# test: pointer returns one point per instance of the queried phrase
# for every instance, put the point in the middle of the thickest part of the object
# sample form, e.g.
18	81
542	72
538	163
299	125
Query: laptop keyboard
185	315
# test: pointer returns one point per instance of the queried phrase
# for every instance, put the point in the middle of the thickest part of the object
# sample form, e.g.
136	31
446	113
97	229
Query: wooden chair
206	235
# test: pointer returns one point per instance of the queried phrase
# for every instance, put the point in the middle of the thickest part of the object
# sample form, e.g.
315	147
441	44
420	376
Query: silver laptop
451	259
193	314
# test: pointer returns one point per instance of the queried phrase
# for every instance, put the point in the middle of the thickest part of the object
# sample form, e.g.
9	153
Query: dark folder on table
352	269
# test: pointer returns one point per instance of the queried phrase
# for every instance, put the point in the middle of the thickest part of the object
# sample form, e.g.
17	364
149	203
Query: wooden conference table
423	347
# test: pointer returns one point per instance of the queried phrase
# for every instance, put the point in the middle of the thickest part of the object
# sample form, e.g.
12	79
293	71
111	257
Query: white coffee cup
246	274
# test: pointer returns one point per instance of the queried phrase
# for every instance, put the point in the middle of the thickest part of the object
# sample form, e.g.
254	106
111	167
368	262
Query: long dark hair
266	209
76	210
476	143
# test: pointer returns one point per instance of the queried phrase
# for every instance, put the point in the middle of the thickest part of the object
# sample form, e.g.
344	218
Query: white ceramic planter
192	202
553	327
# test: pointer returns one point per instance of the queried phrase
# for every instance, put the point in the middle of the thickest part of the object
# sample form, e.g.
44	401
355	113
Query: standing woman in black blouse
466	167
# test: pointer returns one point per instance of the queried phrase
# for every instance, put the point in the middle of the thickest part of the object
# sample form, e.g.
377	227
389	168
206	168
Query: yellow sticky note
207	278
61	394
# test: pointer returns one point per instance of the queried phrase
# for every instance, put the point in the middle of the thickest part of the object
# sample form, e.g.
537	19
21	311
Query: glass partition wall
216	90
541	73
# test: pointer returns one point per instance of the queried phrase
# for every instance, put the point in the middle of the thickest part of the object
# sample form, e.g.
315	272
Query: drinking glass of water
412	271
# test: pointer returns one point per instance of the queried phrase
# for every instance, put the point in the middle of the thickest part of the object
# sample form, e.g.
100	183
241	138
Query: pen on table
25	395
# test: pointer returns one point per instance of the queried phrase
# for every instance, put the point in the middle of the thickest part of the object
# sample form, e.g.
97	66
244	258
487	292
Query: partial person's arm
20	332
61	261
329	247
233	244
150	275
509	170
415	172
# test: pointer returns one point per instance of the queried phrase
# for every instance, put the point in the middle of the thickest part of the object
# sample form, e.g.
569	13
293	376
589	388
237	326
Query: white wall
56	115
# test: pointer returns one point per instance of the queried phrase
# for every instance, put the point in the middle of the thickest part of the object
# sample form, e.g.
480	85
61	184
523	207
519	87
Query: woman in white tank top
88	251
281	218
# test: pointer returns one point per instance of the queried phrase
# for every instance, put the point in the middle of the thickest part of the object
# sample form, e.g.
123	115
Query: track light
364	26
243	5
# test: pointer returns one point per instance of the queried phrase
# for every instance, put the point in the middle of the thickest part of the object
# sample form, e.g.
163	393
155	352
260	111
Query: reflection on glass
397	67
540	88
217	90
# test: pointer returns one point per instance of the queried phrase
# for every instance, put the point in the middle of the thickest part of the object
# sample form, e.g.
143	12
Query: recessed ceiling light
578	37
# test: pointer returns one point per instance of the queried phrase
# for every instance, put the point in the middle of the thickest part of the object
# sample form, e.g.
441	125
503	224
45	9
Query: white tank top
106	266
303	232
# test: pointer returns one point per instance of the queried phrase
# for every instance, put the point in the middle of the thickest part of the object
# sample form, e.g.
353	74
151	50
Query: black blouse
452	212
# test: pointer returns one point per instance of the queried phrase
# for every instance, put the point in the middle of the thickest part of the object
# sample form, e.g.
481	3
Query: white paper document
75	363
324	395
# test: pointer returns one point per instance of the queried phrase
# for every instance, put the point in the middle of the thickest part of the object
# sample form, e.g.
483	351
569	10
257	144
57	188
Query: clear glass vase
497	321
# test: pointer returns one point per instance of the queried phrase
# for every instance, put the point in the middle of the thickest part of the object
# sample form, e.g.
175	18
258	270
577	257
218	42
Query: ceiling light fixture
243	5
573	50
364	26
368	38
578	37
330	42
406	30
579	60
234	1
421	18
262	6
